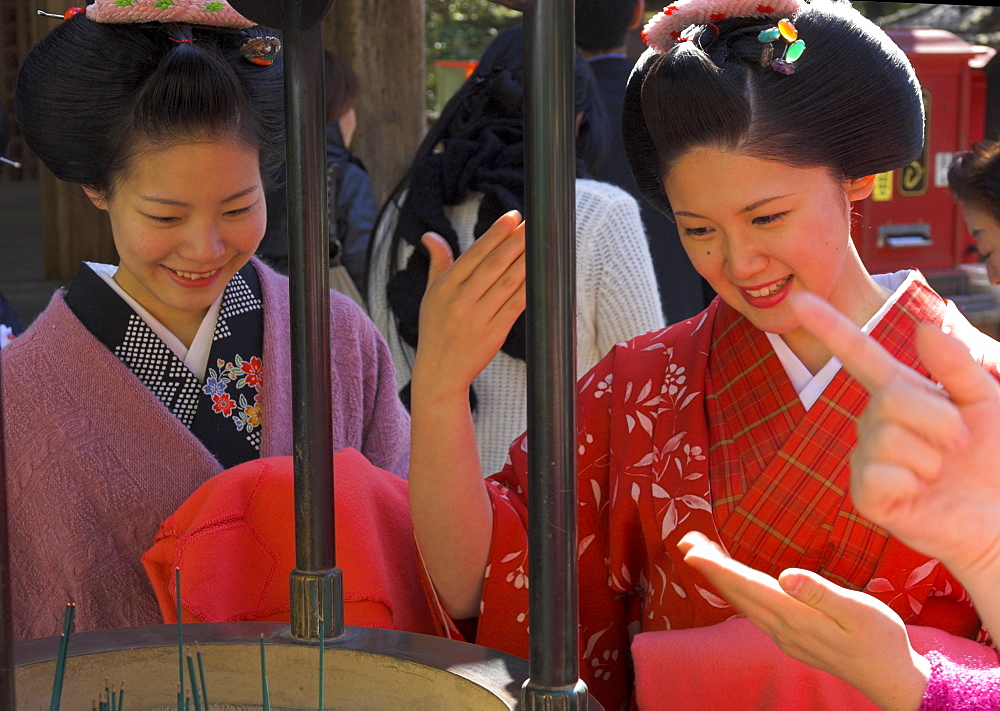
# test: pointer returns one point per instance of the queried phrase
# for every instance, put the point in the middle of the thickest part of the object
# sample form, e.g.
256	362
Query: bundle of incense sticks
199	690
110	700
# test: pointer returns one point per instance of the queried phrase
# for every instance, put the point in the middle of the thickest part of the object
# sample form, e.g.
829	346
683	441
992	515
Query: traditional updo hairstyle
974	178
853	104
90	95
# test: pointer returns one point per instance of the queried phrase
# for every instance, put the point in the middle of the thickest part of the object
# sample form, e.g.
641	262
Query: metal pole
554	682
6	619
309	258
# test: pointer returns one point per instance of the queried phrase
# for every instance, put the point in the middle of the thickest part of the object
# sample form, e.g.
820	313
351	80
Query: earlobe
860	188
96	197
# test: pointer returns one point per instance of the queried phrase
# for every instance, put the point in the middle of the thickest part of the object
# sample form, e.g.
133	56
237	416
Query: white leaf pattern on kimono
879	585
696	502
663	583
673	443
711	598
918	574
588	651
596	488
669	521
659	492
584	545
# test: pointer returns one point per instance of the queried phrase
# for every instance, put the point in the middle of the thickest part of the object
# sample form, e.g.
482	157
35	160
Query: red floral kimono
697	427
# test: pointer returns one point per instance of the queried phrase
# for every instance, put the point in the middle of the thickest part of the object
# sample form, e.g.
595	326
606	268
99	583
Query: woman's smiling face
758	230
185	218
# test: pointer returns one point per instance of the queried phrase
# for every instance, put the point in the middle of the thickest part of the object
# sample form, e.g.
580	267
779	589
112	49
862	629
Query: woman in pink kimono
147	378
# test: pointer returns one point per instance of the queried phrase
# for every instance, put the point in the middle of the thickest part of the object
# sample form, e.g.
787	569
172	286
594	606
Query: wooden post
384	44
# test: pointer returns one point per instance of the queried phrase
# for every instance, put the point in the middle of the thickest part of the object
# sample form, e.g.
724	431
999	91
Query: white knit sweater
616	300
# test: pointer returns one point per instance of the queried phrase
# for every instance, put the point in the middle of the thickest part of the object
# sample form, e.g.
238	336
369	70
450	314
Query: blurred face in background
348	122
985	229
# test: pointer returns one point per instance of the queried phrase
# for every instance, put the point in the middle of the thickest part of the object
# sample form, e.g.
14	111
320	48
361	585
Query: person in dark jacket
601	30
353	207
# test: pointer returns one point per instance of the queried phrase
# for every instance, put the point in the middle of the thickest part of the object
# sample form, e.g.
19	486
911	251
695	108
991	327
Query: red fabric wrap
734	665
234	541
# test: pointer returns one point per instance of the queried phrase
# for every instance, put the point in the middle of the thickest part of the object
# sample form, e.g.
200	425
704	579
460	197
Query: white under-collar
195	357
809	386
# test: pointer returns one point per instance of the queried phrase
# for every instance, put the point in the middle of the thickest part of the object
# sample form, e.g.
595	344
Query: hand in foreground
846	633
927	467
470	305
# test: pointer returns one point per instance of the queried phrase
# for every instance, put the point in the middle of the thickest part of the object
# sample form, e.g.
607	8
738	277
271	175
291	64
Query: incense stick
195	696
180	640
201	673
57	682
322	644
265	694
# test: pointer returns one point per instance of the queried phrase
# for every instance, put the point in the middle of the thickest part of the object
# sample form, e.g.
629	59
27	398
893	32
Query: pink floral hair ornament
668	27
212	13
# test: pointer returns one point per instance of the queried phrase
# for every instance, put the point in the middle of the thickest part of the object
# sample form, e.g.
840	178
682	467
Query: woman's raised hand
927	464
470	304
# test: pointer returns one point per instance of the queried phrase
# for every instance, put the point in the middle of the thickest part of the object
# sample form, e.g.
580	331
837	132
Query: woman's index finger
861	355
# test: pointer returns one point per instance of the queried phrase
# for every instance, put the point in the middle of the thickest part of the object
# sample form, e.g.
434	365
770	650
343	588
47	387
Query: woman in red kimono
736	423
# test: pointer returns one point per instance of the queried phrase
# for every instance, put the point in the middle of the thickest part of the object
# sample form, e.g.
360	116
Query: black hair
477	144
89	95
340	84
974	178
495	91
4	130
603	25
853	104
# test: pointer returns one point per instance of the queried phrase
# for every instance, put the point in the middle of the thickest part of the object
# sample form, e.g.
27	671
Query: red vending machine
910	219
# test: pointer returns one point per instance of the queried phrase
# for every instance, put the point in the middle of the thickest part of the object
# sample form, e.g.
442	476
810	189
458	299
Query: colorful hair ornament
71	12
209	13
666	28
794	47
261	50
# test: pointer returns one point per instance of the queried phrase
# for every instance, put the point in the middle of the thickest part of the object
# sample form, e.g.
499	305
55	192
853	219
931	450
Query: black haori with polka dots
223	410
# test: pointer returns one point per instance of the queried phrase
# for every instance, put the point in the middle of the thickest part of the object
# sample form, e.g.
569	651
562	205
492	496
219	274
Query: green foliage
461	29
